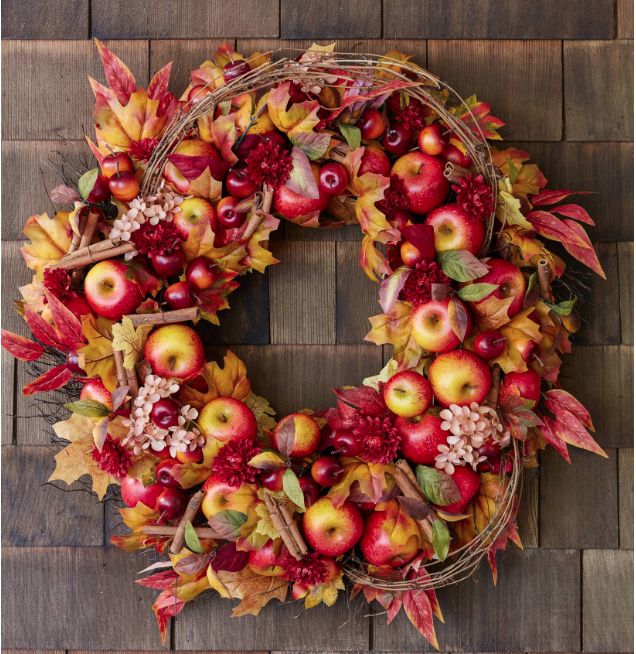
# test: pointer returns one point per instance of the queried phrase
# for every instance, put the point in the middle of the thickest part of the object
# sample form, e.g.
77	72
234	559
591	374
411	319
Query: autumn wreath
413	477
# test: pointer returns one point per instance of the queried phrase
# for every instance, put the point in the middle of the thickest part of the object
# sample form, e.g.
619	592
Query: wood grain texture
490	19
626	286
599	298
501	73
624	19
43	79
528	516
608	601
330	19
39	515
195	19
302	297
293	377
626	497
602	378
356	295
483	618
29	170
598	87
185	56
207	624
591	518
79	597
45	19
605	170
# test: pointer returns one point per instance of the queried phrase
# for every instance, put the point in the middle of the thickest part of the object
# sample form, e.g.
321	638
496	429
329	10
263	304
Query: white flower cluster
470	427
143	434
152	209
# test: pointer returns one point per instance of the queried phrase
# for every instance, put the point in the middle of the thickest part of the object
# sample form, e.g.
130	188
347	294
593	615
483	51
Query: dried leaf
228	523
130	340
52	379
97	355
392	286
20	347
436	485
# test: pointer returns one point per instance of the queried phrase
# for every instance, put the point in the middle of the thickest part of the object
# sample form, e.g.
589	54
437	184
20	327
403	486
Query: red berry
272	479
165	413
164	474
119	162
345	442
456	156
327	470
490	344
333	178
179	296
432	140
168	265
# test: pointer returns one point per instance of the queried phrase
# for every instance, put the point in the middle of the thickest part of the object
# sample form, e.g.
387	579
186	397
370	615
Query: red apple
165	475
190	456
200	273
297	435
397	139
124	186
332	530
100	191
489	344
239	183
459	377
433	328
333	178
171	504
134	491
179	296
379	547
407	394
227	214
169	264
346	443
194	212
267	560
327	470
113	164
272	479
310	489
374	160
174	351
220	496
432	140
165	413
468	483
291	205
456	229
455	156
109	292
95	390
520	384
420	438
226	418
371	124
510	281
424	182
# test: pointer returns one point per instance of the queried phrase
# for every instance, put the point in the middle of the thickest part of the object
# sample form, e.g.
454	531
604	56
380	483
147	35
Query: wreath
412	478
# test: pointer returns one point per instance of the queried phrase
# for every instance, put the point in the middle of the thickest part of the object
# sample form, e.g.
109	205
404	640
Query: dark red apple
179	296
200	273
371	124
490	344
398	139
327	470
239	183
165	413
227	214
333	178
169	264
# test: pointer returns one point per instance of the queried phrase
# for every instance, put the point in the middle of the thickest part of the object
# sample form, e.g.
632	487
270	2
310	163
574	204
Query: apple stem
538	360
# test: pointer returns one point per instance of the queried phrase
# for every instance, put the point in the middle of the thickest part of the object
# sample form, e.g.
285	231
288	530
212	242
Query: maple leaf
50	239
97	356
372	221
327	592
492	312
393	327
227	381
473	111
254	590
508	209
517	332
526	179
522	249
135	518
263	412
130	340
370	478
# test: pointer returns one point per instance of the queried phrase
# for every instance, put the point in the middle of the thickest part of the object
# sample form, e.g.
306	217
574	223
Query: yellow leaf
509	207
97	355
262	411
50	240
300	117
326	593
265	526
205	186
492	312
517	333
130	340
75	428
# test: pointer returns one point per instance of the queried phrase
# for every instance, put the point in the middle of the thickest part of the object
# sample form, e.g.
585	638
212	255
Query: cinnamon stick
283	524
407	483
72	262
268	196
77	237
167	530
122	378
544	275
293	527
133	382
163	317
192	508
100	246
89	229
493	394
454	173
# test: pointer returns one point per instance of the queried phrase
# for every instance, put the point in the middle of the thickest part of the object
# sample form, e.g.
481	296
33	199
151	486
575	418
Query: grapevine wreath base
414	476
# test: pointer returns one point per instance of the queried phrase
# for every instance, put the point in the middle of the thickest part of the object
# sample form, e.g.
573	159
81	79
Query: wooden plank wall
561	74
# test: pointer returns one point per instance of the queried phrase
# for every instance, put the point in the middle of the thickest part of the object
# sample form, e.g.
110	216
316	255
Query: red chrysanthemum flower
58	282
474	195
161	238
142	149
394	198
309	571
231	465
379	438
269	163
411	115
113	459
417	288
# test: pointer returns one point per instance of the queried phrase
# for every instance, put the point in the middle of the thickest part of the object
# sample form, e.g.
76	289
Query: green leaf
563	308
437	486
513	171
192	540
476	292
228	523
292	489
351	134
314	145
441	538
461	265
88	408
86	182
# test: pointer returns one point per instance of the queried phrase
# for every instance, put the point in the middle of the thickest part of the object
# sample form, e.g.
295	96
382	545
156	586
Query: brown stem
493	394
407	483
89	229
163	317
167	530
544	275
283	522
454	173
194	504
122	377
73	261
